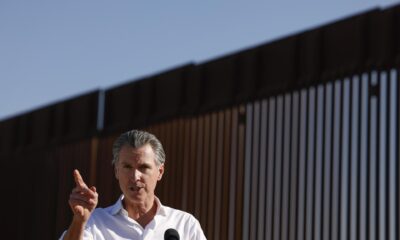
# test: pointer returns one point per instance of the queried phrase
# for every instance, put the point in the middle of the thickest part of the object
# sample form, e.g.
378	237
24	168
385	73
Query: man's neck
142	213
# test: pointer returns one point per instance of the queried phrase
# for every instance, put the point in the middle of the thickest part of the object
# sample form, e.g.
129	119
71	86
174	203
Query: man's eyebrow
145	164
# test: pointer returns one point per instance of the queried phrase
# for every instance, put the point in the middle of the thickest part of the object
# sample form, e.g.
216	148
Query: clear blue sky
52	50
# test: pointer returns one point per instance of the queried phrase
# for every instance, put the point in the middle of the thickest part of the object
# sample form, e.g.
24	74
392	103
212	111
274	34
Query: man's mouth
136	188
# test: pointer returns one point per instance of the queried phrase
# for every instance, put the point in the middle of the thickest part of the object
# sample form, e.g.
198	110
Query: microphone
171	234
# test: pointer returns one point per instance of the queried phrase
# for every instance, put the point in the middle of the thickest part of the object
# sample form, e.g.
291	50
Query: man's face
138	173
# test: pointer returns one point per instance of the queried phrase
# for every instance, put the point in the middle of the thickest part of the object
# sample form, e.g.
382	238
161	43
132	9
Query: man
138	159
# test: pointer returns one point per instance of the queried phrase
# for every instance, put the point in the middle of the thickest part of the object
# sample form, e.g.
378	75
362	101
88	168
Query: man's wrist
77	221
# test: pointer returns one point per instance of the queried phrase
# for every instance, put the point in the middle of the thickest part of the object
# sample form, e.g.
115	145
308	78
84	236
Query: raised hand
82	200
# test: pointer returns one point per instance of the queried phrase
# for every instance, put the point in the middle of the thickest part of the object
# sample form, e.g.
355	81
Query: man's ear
116	171
160	172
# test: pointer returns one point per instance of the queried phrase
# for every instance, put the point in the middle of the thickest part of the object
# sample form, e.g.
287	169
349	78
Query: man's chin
136	196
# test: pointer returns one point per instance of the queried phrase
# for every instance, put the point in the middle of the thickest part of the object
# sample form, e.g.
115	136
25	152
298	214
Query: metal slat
219	161
240	172
331	160
345	160
255	132
232	175
397	158
293	165
373	160
326	173
174	169
310	163
388	115
168	181
315	161
193	165
300	231
393	170
381	161
319	161
363	155
212	174
285	177
199	172
385	155
277	168
205	161
262	171
353	156
164	128
358	150
371	156
247	171
182	145
336	160
269	210
225	201
186	165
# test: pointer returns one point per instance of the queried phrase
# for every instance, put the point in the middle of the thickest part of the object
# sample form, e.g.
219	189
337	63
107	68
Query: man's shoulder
101	214
178	213
109	209
184	222
104	210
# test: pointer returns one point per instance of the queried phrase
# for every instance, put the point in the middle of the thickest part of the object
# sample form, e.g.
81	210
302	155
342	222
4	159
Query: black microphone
171	234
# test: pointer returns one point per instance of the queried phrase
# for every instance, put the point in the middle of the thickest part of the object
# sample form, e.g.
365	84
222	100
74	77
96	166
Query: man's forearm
75	230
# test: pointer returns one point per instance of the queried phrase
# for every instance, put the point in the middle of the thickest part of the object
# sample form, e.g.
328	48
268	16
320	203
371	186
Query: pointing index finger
79	180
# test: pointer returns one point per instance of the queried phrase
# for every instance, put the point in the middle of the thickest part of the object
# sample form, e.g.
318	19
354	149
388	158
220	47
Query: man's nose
136	174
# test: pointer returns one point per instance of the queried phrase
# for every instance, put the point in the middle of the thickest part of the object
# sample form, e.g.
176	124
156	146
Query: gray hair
136	139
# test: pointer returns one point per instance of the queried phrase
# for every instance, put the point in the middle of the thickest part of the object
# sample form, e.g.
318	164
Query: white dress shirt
113	223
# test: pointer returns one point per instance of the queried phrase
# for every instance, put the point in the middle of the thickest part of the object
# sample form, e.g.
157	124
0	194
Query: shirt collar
118	206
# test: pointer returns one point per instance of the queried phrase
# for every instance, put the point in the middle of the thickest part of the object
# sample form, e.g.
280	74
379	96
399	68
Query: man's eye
144	168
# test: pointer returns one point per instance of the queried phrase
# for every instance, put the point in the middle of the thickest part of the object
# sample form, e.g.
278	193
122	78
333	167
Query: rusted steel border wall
292	139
